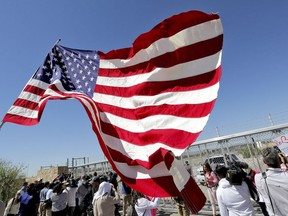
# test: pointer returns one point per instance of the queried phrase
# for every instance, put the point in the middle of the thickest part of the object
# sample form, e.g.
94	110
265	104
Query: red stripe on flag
182	110
155	187
155	88
152	136
26	104
193	196
154	158
181	55
17	119
34	89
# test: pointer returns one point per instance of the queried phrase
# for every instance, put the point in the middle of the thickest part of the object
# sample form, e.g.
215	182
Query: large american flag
147	103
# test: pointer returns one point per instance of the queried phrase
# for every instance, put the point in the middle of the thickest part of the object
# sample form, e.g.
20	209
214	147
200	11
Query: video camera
235	174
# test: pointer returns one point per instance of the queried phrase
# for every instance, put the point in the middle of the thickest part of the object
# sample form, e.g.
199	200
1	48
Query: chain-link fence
245	146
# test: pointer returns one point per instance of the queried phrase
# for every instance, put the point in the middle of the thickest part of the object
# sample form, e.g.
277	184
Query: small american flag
64	70
147	103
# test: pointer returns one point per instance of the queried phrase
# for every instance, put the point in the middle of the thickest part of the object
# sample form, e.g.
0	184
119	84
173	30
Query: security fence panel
245	147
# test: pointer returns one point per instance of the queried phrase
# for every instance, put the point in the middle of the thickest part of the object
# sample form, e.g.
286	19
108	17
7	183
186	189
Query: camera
235	174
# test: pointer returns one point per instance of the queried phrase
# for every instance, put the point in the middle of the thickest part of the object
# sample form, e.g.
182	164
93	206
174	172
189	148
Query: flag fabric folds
146	103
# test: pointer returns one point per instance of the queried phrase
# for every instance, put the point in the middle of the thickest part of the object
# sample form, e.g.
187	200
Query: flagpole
57	42
2	123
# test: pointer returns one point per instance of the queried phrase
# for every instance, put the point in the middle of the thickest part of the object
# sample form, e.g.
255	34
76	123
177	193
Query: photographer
233	199
272	184
243	170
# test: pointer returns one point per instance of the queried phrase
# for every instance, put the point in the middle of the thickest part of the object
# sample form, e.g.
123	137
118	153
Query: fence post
257	157
222	151
250	152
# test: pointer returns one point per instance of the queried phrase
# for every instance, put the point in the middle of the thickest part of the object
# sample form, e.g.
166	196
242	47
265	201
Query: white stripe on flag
173	98
156	122
188	69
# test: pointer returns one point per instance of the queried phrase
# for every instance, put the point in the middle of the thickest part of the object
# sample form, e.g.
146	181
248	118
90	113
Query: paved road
168	207
166	210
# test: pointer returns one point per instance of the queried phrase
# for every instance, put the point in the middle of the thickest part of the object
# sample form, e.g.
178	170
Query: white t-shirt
71	196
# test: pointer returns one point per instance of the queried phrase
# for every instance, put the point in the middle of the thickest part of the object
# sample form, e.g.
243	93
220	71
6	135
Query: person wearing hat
105	199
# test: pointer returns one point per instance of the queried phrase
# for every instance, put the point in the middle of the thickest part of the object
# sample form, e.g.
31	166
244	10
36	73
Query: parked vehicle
214	161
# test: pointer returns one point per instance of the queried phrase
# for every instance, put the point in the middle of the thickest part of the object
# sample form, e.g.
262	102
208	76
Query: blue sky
253	84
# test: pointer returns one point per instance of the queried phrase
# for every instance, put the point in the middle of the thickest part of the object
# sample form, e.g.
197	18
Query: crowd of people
95	195
98	195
